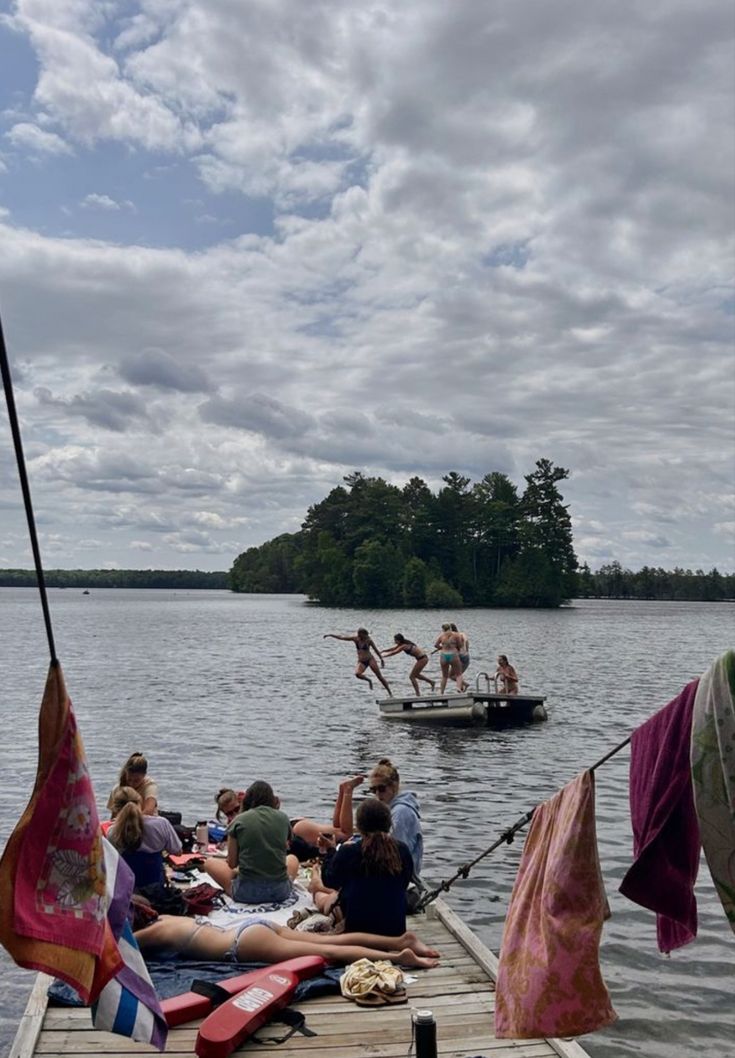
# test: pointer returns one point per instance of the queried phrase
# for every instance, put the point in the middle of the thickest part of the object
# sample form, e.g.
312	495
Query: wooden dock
470	707
460	992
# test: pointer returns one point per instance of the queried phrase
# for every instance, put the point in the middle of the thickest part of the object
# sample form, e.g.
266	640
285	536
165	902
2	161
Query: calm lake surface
219	689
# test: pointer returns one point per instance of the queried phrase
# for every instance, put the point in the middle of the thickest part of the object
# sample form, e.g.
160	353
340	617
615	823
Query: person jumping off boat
420	657
365	659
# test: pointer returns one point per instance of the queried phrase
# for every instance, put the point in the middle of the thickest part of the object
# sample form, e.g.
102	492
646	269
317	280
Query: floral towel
666	841
549	981
53	903
713	774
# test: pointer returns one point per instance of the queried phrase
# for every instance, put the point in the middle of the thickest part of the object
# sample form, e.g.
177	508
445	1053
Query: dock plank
461	992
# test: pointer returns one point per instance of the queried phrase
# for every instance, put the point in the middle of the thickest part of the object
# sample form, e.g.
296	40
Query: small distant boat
496	709
86	591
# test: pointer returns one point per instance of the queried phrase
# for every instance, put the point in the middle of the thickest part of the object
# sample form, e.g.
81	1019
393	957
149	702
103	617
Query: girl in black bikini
421	660
365	660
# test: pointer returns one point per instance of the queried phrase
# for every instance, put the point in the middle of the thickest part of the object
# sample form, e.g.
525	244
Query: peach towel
549	981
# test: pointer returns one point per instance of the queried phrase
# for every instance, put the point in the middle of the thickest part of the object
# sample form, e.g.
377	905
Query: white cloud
105	203
29	137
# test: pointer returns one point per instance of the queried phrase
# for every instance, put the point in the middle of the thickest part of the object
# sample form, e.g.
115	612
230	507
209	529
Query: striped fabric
128	1004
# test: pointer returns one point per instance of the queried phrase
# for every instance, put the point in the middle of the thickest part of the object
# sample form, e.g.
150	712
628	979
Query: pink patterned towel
549	981
666	842
53	900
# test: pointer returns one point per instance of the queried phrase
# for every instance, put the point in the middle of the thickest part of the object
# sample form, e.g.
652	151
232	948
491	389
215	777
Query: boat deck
469	707
460	992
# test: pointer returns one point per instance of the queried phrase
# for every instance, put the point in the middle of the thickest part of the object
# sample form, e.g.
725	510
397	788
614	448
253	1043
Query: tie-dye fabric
713	774
549	981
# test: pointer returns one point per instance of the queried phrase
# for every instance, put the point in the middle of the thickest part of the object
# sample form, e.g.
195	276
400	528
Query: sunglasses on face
378	788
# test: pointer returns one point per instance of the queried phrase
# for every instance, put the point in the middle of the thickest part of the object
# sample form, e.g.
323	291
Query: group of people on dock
361	867
453	647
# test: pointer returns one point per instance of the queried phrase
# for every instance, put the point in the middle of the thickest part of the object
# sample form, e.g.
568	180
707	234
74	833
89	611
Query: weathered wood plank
31	1022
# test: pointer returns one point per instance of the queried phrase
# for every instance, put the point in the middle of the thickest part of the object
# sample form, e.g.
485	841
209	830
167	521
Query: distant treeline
115	578
370	543
614	582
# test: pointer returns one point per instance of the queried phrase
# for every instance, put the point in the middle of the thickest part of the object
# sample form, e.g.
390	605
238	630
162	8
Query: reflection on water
220	689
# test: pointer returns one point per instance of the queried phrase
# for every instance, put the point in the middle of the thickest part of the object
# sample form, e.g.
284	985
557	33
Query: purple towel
666	841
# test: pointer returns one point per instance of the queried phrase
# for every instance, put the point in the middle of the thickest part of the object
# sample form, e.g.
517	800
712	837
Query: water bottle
424	1031
201	834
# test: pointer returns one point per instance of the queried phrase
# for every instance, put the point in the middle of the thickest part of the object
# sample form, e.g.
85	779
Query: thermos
424	1034
201	835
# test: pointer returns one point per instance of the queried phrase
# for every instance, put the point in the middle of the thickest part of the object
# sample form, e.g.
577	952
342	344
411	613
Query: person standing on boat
134	772
448	644
507	675
420	657
384	783
464	654
365	659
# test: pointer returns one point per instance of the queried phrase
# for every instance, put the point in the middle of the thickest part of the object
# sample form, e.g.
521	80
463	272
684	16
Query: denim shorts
260	890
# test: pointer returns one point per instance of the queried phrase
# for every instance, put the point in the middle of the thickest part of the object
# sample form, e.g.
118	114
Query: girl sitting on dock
259	940
134	772
507	675
420	657
365	659
141	840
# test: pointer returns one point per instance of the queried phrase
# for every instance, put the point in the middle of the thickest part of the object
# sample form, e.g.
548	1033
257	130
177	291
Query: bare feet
433	685
410	940
352	783
408	957
369	682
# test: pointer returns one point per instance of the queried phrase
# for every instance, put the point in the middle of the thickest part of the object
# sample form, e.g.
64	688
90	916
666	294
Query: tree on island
371	543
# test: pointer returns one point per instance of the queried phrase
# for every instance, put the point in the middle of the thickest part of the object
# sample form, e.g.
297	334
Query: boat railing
488	680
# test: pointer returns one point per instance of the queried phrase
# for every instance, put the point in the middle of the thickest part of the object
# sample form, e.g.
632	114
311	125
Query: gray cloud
156	367
105	408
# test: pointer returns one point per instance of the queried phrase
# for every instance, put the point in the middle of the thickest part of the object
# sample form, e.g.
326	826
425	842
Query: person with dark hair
369	876
258	869
141	840
464	654
420	658
134	772
384	782
365	658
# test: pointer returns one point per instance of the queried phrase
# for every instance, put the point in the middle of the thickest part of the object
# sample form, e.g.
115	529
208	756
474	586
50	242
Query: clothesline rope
25	487
506	838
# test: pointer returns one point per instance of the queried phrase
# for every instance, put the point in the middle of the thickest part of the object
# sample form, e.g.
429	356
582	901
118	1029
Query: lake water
219	689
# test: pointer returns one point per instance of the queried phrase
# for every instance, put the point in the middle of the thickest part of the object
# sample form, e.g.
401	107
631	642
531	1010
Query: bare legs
342	819
221	873
360	674
415	675
262	944
375	669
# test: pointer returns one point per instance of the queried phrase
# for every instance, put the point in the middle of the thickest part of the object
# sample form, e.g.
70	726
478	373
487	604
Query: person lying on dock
259	940
341	827
365	658
507	675
420	658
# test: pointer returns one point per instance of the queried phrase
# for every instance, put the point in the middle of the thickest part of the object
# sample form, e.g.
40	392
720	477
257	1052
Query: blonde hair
387	772
136	762
127	832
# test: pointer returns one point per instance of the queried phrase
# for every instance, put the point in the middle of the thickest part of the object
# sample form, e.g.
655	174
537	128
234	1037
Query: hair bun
386	761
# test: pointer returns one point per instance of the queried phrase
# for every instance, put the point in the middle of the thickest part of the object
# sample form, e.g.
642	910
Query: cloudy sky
248	247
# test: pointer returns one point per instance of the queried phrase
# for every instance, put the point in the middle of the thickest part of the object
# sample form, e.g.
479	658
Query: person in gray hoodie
384	782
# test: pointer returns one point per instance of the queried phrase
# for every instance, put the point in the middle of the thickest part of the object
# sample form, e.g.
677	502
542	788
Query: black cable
505	838
18	444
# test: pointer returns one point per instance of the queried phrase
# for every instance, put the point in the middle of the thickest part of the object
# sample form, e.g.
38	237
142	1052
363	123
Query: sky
248	248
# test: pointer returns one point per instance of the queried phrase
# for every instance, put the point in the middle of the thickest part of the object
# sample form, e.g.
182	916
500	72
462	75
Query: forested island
115	578
370	543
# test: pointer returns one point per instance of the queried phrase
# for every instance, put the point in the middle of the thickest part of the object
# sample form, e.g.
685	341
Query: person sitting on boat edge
384	782
134	772
141	840
507	675
258	869
259	940
369	875
365	659
419	656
